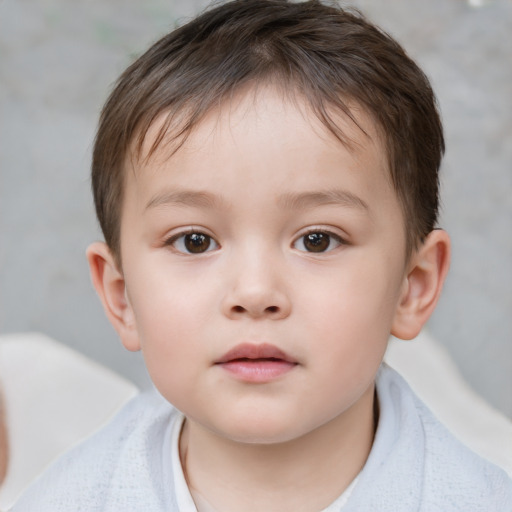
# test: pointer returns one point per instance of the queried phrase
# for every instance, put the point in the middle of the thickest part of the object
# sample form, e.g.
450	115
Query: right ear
108	280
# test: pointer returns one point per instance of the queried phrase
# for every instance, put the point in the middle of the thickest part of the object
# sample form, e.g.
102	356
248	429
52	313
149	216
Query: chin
260	431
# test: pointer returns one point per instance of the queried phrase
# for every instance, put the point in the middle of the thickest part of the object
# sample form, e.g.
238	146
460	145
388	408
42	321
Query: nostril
241	309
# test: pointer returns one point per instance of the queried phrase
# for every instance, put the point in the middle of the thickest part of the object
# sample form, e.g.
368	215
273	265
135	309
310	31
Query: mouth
256	363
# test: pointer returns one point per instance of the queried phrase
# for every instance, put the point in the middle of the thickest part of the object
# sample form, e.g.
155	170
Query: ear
422	286
110	286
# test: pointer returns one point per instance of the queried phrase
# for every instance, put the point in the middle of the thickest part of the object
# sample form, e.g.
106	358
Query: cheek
351	312
170	317
360	297
169	299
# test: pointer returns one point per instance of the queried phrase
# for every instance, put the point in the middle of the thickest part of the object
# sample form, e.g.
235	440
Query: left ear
422	286
108	280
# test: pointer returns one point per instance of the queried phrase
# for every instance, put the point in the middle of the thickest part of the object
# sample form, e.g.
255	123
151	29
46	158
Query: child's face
264	263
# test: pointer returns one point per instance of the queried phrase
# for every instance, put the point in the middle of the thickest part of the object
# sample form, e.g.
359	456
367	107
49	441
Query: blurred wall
58	60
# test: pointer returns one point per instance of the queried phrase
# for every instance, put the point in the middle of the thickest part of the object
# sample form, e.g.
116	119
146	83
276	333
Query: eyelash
172	240
330	238
319	243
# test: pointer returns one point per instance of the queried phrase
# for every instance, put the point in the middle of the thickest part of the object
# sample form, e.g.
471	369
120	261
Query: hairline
413	170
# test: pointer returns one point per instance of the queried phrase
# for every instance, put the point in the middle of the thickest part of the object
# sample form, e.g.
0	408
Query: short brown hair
328	55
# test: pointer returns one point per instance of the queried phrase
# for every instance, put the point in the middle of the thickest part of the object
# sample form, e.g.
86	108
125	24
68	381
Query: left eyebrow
184	198
306	200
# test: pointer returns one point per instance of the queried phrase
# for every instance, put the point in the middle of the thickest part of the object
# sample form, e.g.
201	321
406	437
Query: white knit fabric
415	465
55	397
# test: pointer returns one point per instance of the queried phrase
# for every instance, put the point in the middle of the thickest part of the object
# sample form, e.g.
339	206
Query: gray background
58	60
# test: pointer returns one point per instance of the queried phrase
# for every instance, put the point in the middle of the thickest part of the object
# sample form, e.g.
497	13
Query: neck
304	474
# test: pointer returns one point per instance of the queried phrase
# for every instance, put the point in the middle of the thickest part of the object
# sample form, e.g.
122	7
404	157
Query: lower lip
258	370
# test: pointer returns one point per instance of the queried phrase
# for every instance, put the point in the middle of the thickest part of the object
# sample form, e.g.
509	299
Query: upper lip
255	351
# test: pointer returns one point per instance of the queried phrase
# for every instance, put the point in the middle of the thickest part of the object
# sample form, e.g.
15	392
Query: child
266	178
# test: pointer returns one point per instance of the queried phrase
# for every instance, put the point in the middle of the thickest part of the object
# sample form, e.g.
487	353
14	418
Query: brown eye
197	242
193	243
317	241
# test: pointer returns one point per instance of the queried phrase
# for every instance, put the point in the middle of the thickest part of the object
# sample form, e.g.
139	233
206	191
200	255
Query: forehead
260	122
347	122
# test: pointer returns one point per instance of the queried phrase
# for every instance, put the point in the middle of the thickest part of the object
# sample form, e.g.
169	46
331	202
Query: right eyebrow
335	197
194	198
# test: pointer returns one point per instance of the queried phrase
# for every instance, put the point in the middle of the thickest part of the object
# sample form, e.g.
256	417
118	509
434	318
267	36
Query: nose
256	290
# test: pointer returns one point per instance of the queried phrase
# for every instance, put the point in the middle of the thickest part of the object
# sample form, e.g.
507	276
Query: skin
255	177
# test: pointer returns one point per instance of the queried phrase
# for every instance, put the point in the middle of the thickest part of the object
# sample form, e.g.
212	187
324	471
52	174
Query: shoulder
120	460
467	481
417	462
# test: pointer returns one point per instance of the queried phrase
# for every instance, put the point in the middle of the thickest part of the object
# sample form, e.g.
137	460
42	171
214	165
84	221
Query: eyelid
331	232
335	233
170	240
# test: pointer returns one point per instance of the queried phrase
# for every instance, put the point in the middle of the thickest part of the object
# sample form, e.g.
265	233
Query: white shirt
415	465
190	500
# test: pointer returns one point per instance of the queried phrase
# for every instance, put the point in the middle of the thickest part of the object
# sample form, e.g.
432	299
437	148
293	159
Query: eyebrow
304	200
184	198
291	201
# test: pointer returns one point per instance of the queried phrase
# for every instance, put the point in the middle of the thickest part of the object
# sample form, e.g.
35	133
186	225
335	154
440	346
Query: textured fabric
54	398
414	465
